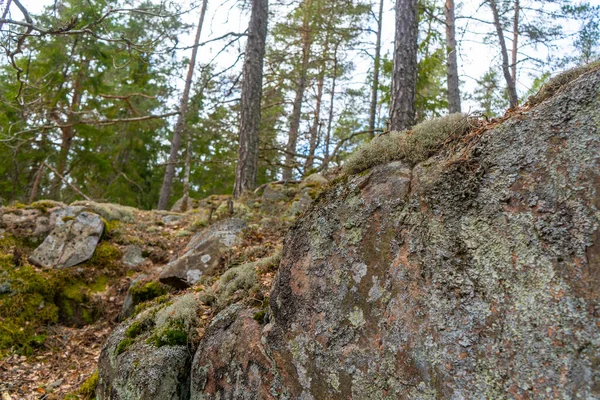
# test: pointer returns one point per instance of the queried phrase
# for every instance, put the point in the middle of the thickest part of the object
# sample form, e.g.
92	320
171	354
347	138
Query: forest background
89	99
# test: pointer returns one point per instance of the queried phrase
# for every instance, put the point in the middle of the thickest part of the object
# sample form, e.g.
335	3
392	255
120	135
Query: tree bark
510	83
68	131
300	88
404	72
331	103
165	190
376	65
515	46
186	174
451	61
245	172
314	129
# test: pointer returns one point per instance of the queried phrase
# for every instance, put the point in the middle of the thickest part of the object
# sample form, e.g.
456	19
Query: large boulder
473	277
203	254
72	241
230	362
148	357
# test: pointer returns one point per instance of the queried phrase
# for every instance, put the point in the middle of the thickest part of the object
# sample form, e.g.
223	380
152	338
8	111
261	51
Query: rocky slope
70	273
474	274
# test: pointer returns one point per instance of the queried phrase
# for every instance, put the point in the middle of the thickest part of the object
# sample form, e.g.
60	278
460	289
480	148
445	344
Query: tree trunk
68	129
165	190
331	102
314	129
245	172
452	64
515	45
376	64
510	83
404	72
300	88
186	175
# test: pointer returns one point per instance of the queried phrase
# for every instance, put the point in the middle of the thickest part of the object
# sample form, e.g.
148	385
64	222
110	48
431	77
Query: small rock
202	256
71	242
132	256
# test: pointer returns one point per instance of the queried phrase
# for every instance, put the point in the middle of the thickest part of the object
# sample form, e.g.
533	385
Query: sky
474	57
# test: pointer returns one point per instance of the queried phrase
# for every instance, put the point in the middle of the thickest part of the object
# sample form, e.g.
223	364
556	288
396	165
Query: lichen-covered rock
477	277
202	255
72	241
230	362
132	256
35	221
148	357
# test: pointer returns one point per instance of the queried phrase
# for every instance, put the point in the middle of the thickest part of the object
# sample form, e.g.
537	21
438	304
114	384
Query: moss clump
261	315
235	284
68	218
144	292
27	306
174	323
45	205
238	278
170	337
164	300
411	146
559	81
124	345
88	387
240	210
107	256
111	212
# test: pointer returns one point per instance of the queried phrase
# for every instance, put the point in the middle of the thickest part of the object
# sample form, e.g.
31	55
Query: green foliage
490	94
411	146
88	387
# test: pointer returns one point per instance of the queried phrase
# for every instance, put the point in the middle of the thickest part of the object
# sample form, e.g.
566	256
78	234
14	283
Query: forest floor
68	357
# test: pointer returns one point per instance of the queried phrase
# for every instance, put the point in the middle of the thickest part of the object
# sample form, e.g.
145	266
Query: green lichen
111	212
170	337
411	146
174	323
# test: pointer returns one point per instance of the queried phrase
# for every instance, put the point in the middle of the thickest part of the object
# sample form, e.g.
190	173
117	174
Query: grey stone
140	370
202	255
132	256
315	179
71	242
473	276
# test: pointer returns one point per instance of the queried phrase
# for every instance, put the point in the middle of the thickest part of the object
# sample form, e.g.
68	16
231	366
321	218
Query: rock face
473	275
467	279
72	241
230	362
202	256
